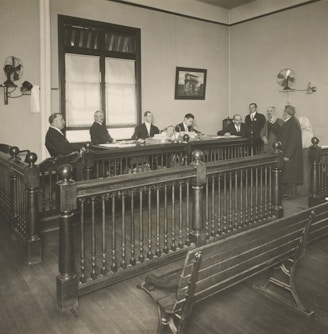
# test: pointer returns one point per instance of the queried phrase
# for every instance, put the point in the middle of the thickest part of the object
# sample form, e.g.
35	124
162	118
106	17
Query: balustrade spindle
247	217
224	207
219	205
188	241
93	239
150	237
207	203
236	206
180	242
123	263
158	250
104	269
256	209
165	247
83	278
241	193
173	245
141	232
133	237
114	251
230	227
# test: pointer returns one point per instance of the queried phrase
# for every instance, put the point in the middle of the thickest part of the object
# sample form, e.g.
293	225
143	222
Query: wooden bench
221	264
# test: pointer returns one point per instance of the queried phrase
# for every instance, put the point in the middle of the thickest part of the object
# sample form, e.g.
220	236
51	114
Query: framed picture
190	83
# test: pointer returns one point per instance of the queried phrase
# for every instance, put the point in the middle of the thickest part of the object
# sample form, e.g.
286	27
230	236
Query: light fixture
13	69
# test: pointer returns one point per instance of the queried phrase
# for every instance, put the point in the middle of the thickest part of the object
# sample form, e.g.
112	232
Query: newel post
88	161
315	158
67	282
32	185
276	183
197	235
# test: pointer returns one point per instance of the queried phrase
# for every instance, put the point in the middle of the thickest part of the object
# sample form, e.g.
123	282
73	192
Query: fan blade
281	75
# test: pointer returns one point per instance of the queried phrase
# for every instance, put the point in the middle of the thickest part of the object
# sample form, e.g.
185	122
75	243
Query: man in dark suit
187	124
236	128
254	122
146	129
56	143
98	130
291	140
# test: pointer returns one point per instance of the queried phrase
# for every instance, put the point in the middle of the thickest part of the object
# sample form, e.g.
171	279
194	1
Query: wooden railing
101	162
19	187
128	224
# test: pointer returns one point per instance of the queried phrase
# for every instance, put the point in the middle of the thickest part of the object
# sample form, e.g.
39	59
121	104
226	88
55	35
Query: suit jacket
180	127
271	132
291	140
254	127
233	131
141	131
99	134
57	143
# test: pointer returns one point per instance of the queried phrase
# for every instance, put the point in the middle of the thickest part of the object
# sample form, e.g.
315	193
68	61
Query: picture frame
190	83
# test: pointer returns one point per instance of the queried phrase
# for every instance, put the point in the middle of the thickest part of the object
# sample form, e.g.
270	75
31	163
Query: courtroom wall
19	26
167	41
260	48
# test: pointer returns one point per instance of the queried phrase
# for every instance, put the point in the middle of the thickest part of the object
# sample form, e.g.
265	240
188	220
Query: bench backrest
228	261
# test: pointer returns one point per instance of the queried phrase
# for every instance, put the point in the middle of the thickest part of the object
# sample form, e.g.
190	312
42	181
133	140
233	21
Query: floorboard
28	299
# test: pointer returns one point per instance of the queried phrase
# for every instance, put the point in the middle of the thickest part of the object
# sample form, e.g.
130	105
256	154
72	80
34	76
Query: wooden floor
28	299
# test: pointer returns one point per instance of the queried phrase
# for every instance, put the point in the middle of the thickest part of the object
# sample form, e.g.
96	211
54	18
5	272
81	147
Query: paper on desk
117	145
109	145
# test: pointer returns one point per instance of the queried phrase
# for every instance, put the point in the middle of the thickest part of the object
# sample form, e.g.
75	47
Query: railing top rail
129	181
243	162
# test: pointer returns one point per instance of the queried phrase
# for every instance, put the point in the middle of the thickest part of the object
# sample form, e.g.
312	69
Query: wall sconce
13	69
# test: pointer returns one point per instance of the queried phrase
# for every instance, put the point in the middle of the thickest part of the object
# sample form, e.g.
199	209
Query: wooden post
67	282
276	184
32	184
13	187
88	162
315	158
198	235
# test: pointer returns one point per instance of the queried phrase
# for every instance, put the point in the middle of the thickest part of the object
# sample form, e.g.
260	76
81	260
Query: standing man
187	124
270	131
146	129
235	128
291	140
254	122
56	143
98	130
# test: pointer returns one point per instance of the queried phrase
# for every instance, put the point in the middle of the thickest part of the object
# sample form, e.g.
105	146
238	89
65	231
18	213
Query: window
99	66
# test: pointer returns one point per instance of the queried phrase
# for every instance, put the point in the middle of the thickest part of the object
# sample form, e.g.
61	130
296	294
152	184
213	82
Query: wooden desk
126	157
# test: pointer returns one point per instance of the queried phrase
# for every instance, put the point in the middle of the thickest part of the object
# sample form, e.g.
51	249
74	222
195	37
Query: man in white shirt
146	129
187	124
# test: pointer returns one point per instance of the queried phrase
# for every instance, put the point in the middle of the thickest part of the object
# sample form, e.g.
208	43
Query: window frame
100	52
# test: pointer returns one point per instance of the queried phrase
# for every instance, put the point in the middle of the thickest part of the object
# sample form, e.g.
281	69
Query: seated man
146	129
187	124
98	130
236	128
56	143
